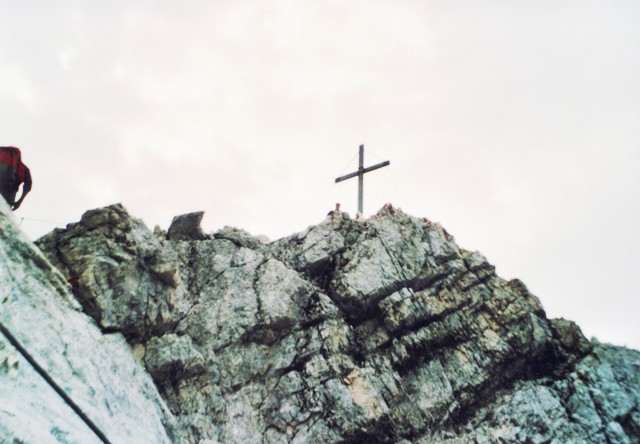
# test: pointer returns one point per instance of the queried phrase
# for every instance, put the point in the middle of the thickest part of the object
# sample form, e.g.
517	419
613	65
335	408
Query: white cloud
17	88
66	57
513	124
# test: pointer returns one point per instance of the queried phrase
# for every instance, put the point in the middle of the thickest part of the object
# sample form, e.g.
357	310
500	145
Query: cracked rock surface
96	370
381	330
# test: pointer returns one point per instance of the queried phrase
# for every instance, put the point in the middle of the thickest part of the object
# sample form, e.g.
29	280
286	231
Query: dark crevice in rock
381	431
484	395
352	331
322	273
630	423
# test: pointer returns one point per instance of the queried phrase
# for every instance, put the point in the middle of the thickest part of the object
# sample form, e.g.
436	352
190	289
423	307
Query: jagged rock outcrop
381	330
186	227
96	371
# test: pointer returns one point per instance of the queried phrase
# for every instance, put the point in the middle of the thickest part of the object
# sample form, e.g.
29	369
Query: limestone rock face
120	272
96	371
381	330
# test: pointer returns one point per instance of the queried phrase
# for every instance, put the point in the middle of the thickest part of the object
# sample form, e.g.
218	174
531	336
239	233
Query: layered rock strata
381	330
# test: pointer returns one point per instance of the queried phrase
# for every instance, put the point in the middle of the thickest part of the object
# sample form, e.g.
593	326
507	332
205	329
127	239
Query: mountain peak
376	330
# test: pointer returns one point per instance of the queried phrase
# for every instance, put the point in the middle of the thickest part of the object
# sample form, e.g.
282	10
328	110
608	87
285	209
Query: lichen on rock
378	330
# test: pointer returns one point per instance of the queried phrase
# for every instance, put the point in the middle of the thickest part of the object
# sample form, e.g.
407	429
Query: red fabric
10	155
20	173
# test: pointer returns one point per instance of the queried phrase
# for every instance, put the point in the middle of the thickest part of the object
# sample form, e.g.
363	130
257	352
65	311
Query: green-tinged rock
378	330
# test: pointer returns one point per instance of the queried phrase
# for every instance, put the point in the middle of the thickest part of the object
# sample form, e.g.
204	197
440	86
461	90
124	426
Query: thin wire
387	171
330	187
394	181
42	221
373	154
348	164
16	344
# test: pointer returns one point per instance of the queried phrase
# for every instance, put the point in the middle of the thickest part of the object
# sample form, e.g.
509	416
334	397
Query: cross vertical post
361	180
360	173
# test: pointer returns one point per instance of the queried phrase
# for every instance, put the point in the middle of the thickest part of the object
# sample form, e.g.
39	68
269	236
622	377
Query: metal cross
360	173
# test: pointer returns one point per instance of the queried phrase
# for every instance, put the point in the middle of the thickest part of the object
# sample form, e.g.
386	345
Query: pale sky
515	124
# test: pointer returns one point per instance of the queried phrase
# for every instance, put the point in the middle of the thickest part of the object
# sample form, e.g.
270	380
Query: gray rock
96	371
615	434
379	330
186	227
121	273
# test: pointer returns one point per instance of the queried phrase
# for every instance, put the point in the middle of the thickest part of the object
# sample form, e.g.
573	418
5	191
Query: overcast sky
514	124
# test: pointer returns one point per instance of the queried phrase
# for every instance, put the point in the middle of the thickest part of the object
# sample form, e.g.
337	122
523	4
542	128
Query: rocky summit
352	331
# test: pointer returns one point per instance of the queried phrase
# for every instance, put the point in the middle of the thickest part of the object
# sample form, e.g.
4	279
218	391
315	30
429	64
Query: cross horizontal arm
375	167
364	170
348	176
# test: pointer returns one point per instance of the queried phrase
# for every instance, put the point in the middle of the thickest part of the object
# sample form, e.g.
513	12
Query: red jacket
10	155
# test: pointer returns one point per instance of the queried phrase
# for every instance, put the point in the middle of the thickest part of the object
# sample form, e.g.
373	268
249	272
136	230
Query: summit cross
360	173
